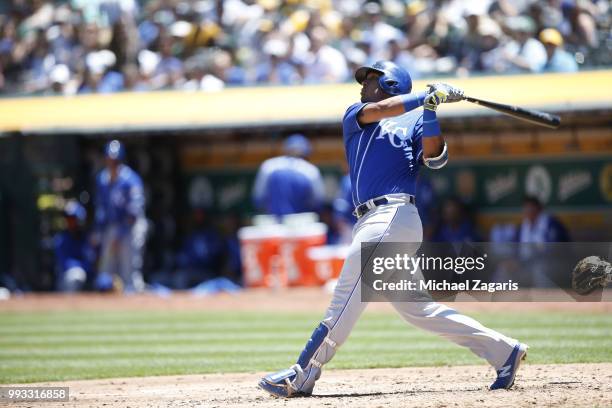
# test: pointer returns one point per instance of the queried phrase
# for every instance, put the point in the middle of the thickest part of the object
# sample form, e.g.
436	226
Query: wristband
431	126
413	101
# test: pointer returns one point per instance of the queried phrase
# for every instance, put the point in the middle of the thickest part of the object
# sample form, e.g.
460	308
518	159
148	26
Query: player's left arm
394	106
435	150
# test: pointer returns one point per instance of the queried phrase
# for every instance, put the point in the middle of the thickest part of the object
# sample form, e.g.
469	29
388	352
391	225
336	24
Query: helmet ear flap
389	85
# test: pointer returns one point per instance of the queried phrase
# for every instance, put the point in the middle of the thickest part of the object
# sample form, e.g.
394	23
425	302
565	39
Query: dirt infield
568	385
289	300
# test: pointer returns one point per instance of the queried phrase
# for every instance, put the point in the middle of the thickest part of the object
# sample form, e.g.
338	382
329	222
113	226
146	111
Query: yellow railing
274	105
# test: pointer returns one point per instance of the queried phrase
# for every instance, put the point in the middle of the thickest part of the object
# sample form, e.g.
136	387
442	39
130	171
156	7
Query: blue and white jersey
383	156
119	202
288	185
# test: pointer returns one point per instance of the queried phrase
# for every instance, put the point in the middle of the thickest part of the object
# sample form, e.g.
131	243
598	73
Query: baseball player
387	136
74	257
120	220
289	184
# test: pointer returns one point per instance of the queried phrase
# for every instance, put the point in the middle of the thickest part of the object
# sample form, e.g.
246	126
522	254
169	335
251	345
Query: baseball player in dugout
388	135
120	223
289	184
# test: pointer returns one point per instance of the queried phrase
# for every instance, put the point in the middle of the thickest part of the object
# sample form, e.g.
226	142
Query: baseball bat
529	115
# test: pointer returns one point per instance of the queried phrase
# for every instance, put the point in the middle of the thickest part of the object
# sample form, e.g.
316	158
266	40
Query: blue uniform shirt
384	156
288	185
120	202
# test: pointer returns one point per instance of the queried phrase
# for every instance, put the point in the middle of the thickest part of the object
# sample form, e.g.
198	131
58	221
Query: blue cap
75	209
297	145
114	150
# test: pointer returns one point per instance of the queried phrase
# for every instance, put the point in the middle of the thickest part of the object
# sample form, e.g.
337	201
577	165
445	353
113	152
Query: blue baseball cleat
281	385
506	374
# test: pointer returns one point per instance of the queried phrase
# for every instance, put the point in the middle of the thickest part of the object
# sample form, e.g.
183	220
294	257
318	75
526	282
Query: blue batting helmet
114	150
297	145
394	80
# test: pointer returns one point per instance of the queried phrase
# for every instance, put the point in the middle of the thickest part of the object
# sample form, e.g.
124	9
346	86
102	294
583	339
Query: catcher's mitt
591	273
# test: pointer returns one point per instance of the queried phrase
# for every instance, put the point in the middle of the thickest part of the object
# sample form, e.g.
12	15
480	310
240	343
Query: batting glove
434	98
453	94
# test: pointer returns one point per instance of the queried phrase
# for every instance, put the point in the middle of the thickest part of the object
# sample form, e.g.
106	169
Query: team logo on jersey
398	135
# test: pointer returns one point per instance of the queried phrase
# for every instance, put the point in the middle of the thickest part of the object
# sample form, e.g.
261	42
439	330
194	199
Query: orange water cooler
261	260
275	255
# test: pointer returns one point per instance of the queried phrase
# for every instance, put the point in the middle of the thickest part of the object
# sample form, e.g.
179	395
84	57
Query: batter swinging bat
528	115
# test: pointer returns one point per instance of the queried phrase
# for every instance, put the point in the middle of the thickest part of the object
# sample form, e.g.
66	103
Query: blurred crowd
87	46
